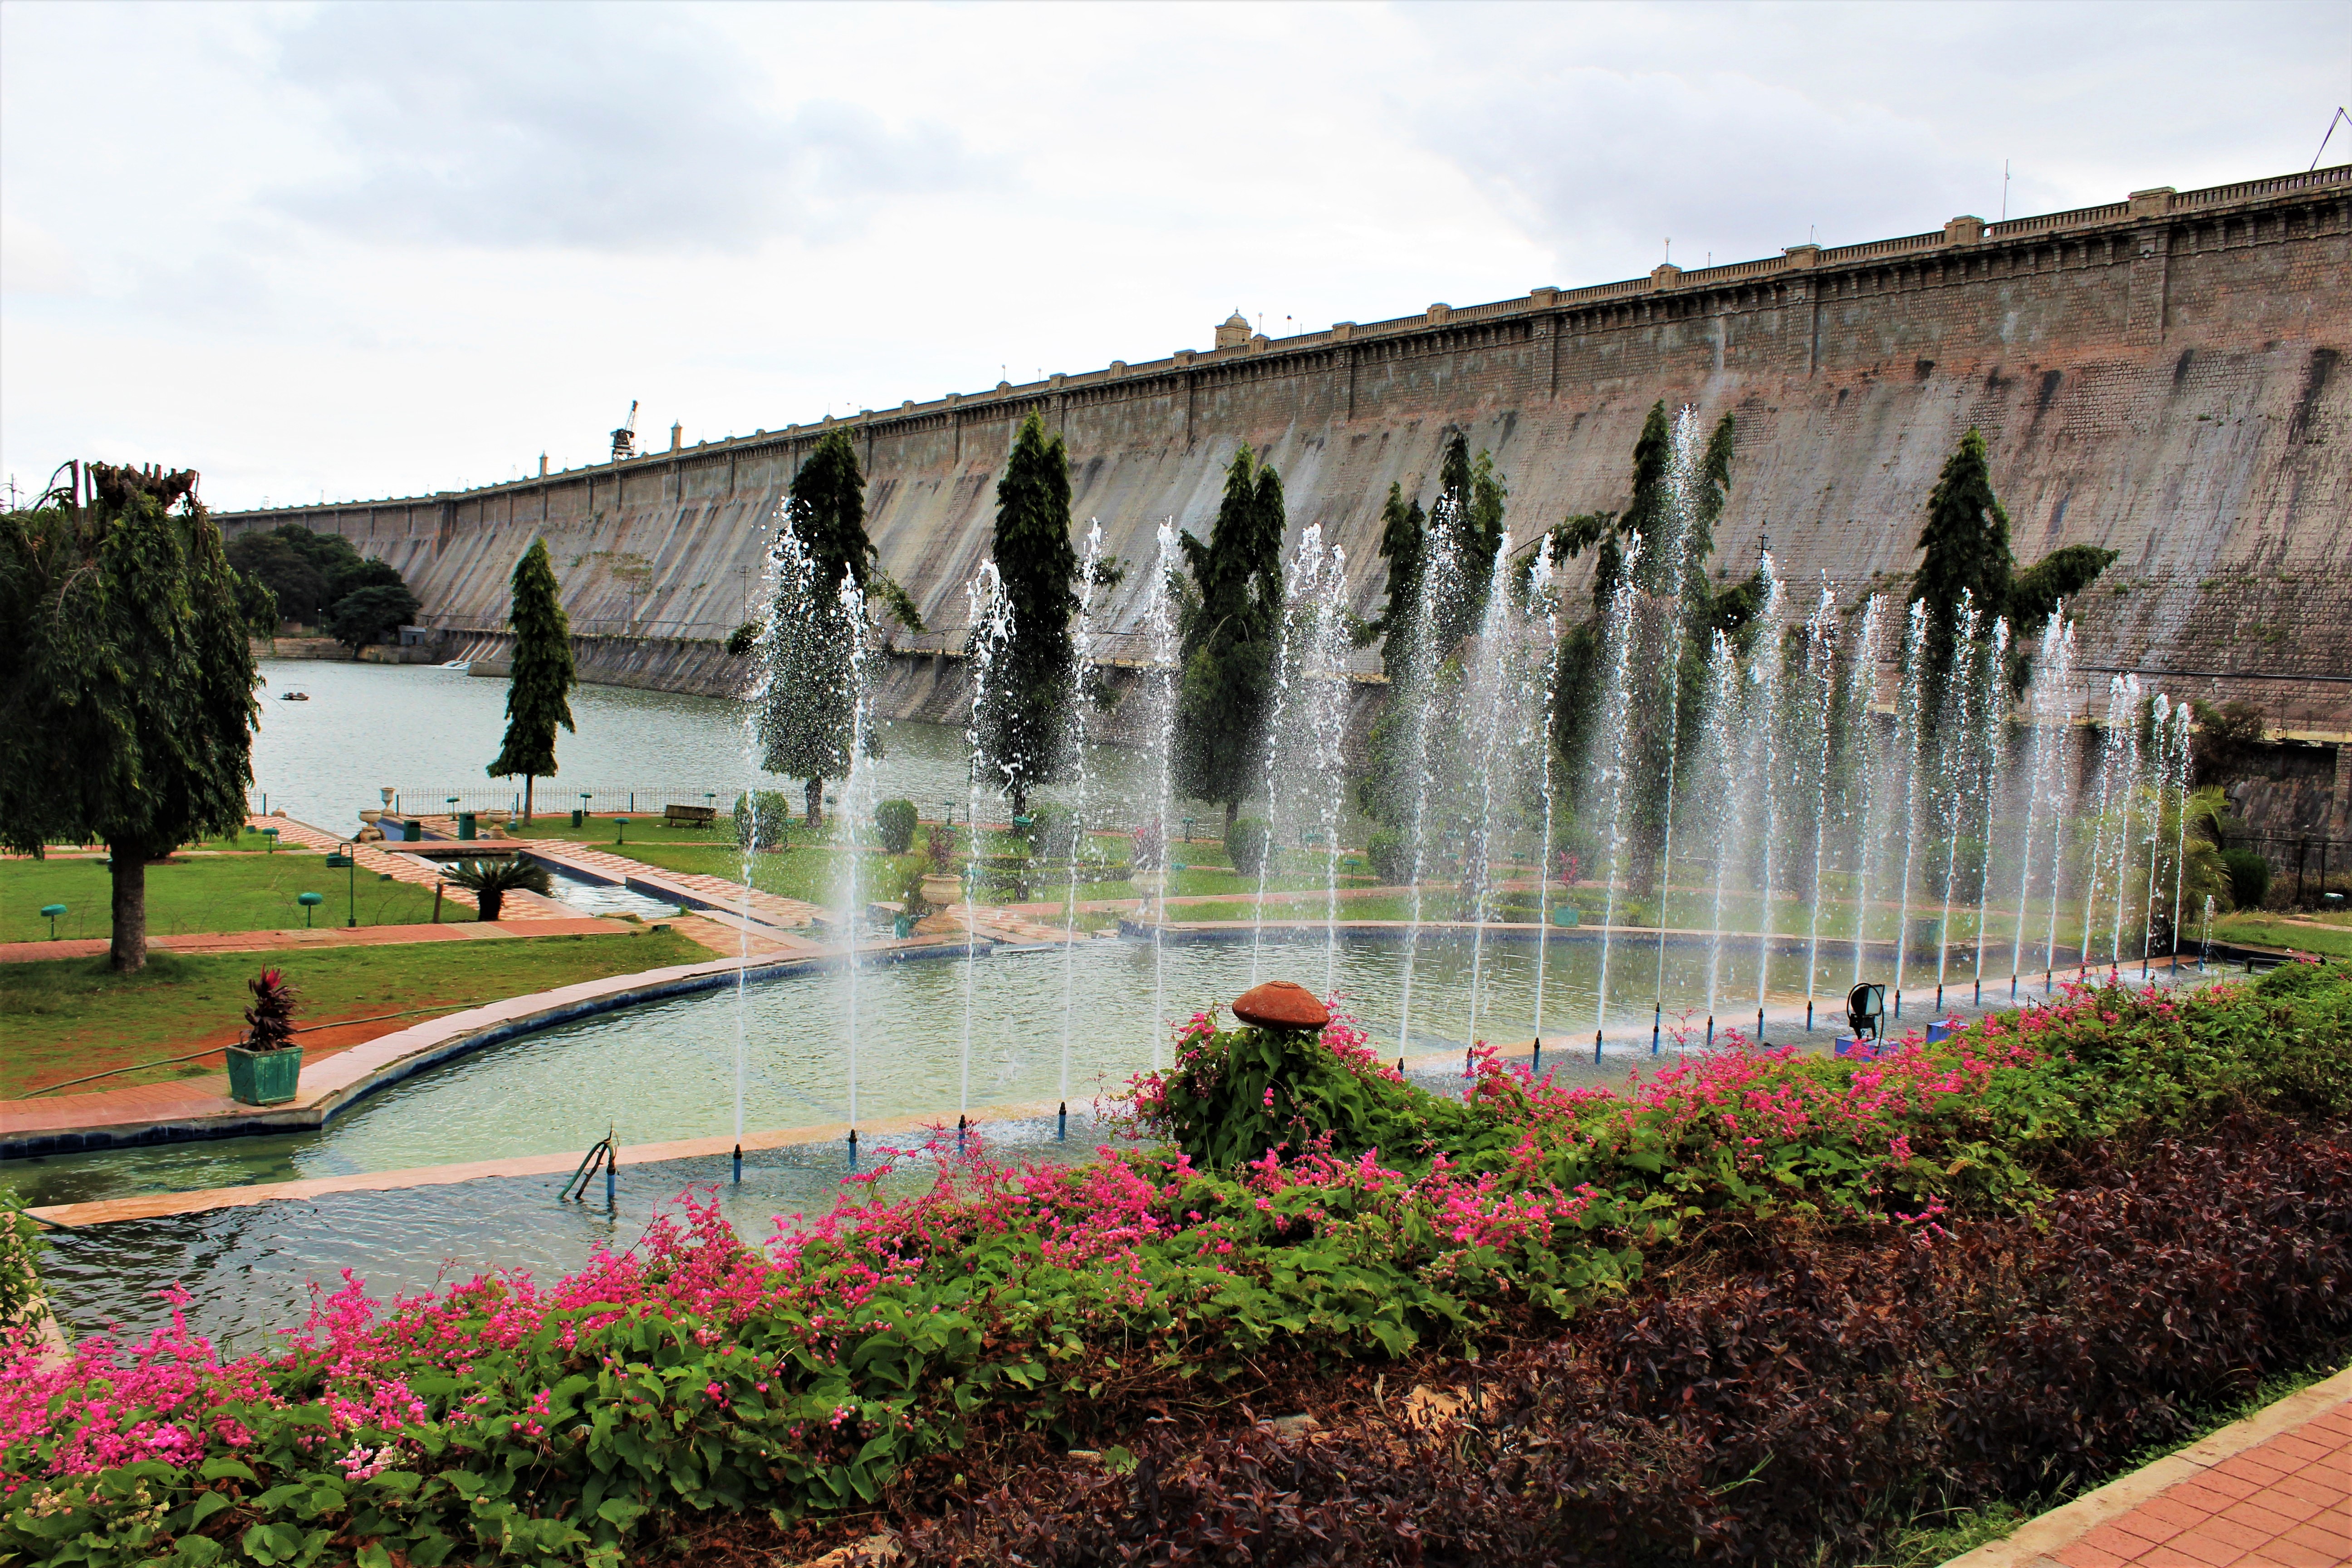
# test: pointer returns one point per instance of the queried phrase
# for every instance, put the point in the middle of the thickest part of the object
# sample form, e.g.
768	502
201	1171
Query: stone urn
1148	886
942	892
264	1078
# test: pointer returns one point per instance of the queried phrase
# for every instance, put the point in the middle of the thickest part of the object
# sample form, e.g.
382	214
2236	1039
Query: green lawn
2330	936
61	1018
202	891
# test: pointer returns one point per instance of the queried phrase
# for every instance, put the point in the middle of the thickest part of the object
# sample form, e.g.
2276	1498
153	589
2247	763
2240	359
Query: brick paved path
2273	1491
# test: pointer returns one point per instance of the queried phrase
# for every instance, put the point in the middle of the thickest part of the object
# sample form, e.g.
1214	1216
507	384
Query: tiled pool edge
153	1206
330	1086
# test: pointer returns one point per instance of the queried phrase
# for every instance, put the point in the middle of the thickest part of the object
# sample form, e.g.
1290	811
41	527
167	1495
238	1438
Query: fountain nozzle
853	1148
739	1164
1062	1124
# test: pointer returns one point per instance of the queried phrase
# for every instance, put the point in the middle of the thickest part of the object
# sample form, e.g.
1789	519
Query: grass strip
63	1018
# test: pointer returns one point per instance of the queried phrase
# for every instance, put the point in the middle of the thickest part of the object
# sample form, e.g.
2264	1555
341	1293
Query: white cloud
377	249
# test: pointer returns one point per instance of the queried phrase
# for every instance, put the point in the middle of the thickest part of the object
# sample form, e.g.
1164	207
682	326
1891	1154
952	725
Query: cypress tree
807	713
1025	723
1230	626
126	680
1967	544
539	683
1404	542
1470	507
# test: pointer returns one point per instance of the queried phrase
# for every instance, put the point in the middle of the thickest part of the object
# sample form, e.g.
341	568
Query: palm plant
492	880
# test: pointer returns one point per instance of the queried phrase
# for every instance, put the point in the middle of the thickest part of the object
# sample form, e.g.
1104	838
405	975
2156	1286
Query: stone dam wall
2164	376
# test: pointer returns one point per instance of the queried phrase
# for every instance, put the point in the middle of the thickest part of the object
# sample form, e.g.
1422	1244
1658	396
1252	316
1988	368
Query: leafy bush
1390	854
2250	877
21	1298
904	879
763	820
1249	844
1878	1223
894	821
1873	1377
1233	1095
372	614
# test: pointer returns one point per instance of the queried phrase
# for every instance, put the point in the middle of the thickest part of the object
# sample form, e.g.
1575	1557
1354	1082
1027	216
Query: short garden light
308	901
620	830
53	911
1865	1010
271	833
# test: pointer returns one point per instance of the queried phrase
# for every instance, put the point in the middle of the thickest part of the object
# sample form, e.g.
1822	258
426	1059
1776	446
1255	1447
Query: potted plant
942	887
267	1069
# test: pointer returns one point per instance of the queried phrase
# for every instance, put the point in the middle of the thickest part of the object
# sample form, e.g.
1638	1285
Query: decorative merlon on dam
2159	376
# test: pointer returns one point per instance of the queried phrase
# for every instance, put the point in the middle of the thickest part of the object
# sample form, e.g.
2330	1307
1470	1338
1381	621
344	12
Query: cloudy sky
360	250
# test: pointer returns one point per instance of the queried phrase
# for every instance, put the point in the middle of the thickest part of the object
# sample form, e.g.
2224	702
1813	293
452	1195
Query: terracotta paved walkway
2274	1490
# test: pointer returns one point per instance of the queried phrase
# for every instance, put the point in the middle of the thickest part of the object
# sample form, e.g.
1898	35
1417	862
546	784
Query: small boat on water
456	664
295	696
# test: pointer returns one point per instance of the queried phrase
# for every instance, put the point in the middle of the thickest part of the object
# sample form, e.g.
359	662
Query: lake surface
427	733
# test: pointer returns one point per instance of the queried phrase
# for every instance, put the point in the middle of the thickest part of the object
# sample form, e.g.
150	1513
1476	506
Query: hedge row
1315	1213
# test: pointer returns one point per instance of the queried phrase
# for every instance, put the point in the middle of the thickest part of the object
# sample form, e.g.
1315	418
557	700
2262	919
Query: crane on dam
625	439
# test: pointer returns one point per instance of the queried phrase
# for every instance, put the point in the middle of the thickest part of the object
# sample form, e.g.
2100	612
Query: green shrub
894	821
1390	854
2303	1054
20	1259
1249	844
1238	1092
761	819
2250	877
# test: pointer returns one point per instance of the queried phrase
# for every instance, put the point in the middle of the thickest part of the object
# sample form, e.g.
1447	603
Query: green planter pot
264	1078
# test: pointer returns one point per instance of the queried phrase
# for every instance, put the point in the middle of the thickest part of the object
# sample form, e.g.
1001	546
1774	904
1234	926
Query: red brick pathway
2271	1491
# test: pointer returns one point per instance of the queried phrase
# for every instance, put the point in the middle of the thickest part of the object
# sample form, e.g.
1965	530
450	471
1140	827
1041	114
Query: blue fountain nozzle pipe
853	1148
1809	1015
1760	1026
1710	1031
1537	1065
1596	1047
1062	1122
611	1183
739	1164
962	1123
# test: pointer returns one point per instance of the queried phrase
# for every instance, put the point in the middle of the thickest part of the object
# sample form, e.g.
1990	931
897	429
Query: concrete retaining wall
2163	376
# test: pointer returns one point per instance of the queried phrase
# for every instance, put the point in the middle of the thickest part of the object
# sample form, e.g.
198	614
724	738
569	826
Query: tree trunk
527	782
128	954
816	796
1232	814
488	902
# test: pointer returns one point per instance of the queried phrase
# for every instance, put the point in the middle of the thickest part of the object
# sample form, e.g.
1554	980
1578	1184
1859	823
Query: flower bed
1313	1211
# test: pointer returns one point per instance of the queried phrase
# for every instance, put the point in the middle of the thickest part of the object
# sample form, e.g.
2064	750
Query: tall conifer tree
1024	724
1231	624
808	706
1403	545
126	680
538	686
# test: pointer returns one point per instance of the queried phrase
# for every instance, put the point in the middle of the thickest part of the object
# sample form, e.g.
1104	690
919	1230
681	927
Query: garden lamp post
344	859
53	911
270	833
620	830
308	901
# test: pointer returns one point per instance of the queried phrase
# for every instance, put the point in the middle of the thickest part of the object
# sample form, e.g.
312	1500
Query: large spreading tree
808	706
126	680
539	687
1024	718
1231	619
